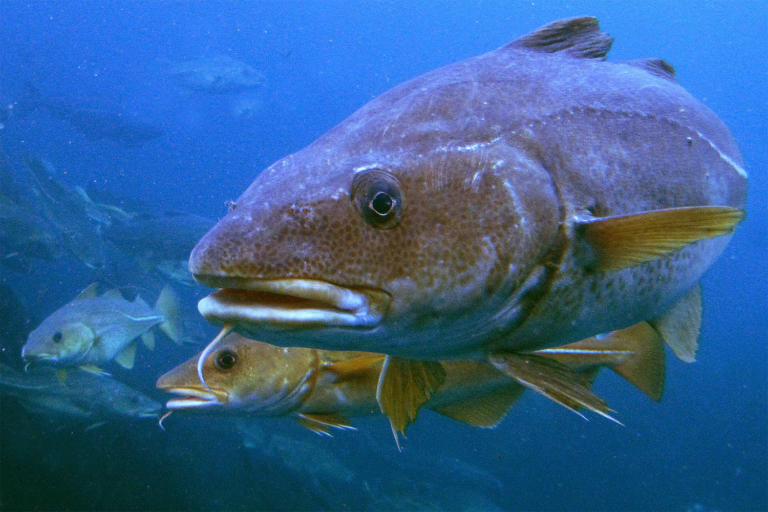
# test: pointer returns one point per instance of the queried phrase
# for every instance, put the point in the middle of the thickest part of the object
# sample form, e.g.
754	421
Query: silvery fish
83	396
94	329
216	75
521	200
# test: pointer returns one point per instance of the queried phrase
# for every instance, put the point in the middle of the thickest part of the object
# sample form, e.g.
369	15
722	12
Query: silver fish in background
94	329
216	75
521	200
82	397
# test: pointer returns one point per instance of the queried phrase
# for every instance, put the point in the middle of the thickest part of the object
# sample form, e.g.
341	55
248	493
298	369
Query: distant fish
216	75
520	200
323	389
94	123
82	397
94	329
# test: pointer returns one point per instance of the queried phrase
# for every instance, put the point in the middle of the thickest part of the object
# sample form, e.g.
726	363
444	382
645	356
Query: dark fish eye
225	360
57	337
379	198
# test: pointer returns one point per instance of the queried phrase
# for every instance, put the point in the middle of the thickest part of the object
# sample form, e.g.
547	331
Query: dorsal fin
656	67
578	37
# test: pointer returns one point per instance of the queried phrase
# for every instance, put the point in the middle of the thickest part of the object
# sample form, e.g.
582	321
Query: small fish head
242	375
59	343
377	254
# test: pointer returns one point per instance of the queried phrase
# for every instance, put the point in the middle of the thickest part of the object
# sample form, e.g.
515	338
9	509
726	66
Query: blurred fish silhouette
94	329
83	397
160	242
93	123
216	75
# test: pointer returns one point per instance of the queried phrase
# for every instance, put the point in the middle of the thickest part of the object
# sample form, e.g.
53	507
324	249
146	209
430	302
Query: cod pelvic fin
679	327
616	243
404	386
551	379
322	423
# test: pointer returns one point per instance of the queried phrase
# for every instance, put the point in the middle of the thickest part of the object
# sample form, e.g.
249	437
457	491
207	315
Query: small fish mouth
290	304
195	398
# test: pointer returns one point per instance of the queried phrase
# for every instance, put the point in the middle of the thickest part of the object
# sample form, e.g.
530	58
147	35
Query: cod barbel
521	200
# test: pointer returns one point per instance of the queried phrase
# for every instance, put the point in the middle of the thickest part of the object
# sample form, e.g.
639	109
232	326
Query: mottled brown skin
500	157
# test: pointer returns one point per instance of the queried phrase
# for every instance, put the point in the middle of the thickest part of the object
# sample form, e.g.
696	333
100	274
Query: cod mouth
194	398
290	304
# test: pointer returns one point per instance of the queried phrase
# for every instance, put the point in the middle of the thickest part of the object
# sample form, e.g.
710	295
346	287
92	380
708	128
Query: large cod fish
521	200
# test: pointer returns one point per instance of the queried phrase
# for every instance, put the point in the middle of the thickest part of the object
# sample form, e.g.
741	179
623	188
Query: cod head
58	343
351	247
240	375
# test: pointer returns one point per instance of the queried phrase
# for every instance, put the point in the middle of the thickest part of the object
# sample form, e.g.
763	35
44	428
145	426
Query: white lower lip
192	398
309	303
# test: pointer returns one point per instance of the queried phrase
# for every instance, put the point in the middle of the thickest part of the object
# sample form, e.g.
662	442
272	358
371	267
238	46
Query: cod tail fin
168	305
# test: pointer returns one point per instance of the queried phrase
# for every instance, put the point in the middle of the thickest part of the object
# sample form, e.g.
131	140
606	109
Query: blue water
703	447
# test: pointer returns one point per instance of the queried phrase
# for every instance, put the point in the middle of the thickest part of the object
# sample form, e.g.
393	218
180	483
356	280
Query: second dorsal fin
578	37
657	67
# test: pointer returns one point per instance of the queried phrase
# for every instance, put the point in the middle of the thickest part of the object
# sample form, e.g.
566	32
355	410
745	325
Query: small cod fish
323	389
521	200
83	396
94	329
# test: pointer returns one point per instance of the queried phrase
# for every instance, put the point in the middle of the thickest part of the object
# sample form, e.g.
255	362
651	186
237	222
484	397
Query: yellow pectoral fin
127	356
356	367
485	410
322	423
404	386
679	327
616	243
551	379
635	353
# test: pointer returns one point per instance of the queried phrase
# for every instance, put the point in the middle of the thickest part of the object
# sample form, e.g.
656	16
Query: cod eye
379	198
225	360
57	337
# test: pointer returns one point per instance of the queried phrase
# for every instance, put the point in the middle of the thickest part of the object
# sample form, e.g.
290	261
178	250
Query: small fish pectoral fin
127	357
355	367
92	368
635	353
404	386
484	411
148	338
551	379
679	327
322	423
616	243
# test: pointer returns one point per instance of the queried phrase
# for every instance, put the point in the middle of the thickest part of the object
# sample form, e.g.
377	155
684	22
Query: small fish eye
225	360
57	337
379	198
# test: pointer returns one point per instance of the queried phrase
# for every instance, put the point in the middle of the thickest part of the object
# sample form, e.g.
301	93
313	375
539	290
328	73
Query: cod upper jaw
292	303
